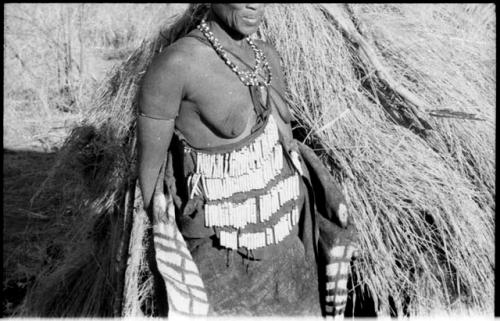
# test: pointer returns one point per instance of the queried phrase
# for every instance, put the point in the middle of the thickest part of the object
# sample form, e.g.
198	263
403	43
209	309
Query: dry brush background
398	100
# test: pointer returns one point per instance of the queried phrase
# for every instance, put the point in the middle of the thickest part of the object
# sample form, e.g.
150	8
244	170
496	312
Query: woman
241	191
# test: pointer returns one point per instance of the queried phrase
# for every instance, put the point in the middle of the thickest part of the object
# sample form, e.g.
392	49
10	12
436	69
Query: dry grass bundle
423	212
415	40
415	209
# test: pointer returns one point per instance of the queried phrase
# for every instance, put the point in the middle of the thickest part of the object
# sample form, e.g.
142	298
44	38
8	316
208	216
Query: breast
222	104
232	126
227	122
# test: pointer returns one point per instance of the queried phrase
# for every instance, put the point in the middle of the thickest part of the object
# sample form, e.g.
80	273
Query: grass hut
399	103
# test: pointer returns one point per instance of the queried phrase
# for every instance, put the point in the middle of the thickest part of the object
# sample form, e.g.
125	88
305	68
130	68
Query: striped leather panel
185	289
337	274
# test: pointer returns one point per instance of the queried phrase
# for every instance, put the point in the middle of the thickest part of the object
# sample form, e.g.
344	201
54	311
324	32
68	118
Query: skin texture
193	87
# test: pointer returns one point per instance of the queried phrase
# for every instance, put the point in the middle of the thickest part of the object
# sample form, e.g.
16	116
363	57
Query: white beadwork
219	176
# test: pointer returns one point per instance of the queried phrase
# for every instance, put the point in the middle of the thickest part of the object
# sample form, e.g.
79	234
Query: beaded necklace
249	78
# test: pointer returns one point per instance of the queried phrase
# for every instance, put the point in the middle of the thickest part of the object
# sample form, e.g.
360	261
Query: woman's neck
227	36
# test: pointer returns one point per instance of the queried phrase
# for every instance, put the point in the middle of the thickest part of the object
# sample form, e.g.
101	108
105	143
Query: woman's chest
222	101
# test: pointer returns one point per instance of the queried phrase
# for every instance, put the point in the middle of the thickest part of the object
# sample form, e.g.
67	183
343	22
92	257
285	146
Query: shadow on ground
26	228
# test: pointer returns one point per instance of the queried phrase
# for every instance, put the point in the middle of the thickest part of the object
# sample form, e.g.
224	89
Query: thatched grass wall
418	174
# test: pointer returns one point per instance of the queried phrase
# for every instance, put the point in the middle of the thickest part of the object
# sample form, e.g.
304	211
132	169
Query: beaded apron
250	193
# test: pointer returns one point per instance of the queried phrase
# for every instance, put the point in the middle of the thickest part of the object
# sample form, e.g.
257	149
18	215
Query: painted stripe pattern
185	289
337	273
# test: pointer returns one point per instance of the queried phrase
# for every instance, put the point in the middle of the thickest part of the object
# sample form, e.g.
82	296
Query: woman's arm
159	101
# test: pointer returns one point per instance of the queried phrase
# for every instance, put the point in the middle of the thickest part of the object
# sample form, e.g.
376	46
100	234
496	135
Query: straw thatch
366	84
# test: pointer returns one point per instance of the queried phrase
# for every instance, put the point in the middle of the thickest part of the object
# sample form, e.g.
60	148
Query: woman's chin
248	30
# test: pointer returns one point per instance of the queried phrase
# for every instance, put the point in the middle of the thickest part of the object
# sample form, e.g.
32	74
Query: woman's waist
269	252
252	220
253	231
239	200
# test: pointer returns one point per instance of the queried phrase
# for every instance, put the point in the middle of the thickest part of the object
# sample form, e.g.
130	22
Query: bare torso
217	108
189	88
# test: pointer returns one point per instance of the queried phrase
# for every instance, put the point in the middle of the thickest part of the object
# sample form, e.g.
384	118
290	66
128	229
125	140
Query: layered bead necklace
249	78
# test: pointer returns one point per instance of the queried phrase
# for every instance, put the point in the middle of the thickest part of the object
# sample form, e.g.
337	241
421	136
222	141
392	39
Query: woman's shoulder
182	52
167	76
